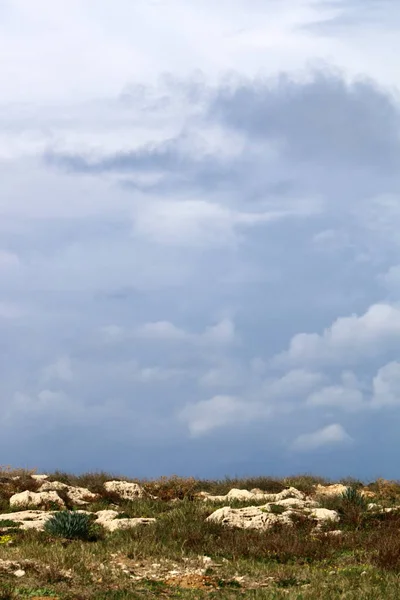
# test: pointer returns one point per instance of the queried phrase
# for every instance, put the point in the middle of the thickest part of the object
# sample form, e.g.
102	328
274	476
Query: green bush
353	497
353	508
71	525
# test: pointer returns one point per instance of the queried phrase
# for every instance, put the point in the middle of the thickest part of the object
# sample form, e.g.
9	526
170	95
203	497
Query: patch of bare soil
192	581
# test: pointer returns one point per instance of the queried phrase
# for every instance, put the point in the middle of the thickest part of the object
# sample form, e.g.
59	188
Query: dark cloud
309	126
323	120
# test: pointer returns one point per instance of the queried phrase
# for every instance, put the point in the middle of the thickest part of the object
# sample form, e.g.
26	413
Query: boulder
126	490
77	495
39	499
323	515
243	495
40	477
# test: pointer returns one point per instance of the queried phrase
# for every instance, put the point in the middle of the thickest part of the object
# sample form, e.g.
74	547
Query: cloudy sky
199	236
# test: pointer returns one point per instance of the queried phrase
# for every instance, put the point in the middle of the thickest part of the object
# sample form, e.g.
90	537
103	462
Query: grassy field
183	556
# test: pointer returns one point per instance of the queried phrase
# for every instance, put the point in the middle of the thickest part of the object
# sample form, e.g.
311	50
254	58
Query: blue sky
199	248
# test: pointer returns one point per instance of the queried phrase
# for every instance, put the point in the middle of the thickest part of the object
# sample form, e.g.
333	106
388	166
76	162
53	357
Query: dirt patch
192	581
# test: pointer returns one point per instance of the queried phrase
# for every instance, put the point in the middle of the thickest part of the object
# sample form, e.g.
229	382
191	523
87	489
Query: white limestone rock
295	503
323	515
39	499
126	490
107	518
77	495
253	495
29	519
251	517
36	519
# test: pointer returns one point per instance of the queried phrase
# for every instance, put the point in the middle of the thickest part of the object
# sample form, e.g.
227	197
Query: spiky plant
70	525
353	497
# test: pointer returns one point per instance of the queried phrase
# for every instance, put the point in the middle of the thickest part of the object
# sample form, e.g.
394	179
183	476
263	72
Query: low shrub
72	526
173	488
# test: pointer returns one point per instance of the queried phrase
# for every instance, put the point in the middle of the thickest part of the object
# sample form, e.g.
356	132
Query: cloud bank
199	248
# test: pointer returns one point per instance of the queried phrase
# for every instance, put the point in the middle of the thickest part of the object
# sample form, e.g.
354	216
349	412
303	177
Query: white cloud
198	223
60	370
220	411
93	48
327	436
349	339
220	334
293	384
337	396
386	386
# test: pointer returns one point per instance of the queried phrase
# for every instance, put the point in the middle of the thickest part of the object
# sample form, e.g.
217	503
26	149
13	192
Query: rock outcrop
265	517
108	519
36	519
254	495
284	508
28	519
77	495
40	499
252	517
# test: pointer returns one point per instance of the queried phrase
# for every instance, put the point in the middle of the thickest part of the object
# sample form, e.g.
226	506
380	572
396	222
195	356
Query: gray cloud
325	120
266	206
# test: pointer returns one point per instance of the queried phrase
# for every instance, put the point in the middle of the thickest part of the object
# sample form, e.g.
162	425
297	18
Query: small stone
19	573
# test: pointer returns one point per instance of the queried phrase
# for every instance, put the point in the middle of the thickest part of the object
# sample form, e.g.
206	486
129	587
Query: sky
199	247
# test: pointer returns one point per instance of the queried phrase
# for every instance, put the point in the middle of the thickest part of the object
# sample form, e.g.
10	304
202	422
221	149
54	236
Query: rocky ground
181	538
